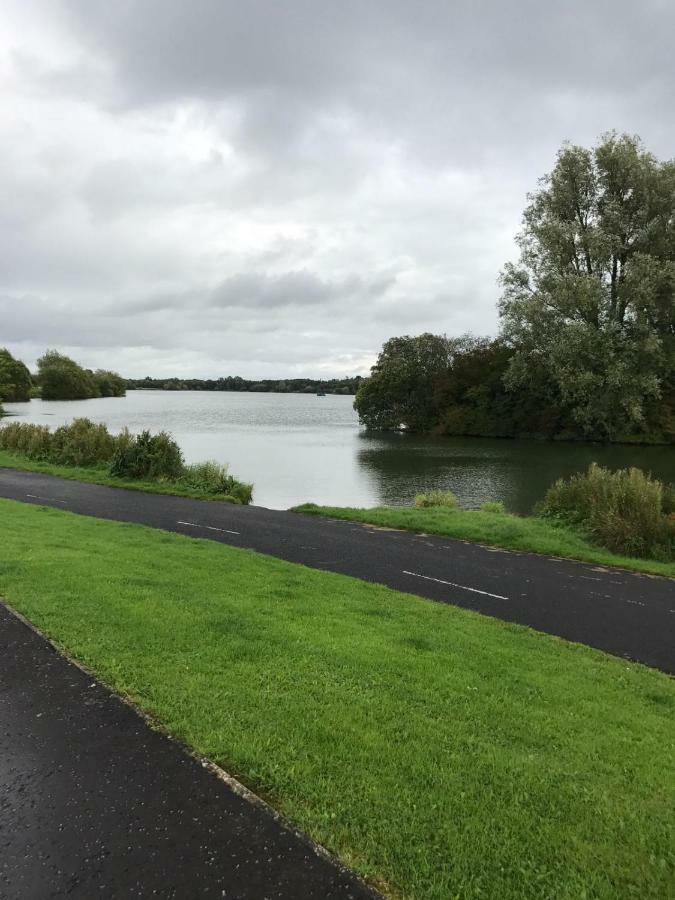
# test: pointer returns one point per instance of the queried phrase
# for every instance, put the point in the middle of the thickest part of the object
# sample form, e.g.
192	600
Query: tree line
235	383
587	341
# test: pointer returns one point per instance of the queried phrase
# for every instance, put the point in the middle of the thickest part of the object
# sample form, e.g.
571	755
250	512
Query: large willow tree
589	307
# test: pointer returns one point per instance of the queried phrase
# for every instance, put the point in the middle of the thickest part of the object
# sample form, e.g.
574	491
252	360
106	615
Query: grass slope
440	753
526	533
102	476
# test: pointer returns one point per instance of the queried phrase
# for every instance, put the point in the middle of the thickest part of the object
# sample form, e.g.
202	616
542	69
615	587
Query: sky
273	189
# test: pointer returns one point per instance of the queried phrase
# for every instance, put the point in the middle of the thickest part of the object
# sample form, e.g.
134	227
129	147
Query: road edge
217	771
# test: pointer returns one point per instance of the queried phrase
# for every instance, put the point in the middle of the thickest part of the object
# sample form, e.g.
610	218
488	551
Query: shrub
148	456
9	436
210	477
622	510
436	498
213	478
493	506
82	443
38	442
32	440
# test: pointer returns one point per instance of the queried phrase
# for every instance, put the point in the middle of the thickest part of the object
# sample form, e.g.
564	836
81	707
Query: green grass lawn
527	533
440	753
101	475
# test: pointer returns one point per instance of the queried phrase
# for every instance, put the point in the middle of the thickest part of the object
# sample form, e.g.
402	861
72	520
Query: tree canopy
591	301
401	390
109	384
15	380
61	378
236	383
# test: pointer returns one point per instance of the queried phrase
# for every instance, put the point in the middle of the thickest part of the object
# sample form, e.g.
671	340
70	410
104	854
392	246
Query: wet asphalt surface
95	803
628	615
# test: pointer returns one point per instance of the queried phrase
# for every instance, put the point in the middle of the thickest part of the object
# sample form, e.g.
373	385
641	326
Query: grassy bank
526	533
101	475
438	752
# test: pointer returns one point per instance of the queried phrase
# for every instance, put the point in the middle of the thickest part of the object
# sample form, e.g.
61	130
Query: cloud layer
273	189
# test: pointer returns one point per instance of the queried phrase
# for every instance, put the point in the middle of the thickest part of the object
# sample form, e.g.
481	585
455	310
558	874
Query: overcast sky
211	187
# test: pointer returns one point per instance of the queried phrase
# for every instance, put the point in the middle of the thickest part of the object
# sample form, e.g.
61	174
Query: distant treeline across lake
235	383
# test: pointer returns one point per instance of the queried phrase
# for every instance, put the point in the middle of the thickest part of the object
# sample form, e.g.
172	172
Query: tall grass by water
141	458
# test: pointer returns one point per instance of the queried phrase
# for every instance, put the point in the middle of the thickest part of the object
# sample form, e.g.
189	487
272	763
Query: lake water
299	447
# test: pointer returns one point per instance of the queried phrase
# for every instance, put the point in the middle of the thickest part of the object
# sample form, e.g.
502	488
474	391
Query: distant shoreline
230	391
235	384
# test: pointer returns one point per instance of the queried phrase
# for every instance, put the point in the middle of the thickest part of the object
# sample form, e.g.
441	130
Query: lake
299	447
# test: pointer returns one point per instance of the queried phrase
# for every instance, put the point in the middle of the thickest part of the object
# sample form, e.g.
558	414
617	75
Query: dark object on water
320	393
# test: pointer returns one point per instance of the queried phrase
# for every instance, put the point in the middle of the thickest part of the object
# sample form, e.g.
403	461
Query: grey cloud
252	291
300	288
420	73
278	187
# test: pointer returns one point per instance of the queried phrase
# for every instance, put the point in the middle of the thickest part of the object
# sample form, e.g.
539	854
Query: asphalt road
632	616
95	803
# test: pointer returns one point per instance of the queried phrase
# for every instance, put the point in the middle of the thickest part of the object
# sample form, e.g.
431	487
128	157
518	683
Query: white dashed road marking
453	584
51	499
208	527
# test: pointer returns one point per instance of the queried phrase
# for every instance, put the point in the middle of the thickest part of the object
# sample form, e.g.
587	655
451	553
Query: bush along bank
626	511
143	458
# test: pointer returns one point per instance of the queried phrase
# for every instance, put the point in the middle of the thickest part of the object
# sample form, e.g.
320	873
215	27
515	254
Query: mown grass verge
438	752
101	475
525	533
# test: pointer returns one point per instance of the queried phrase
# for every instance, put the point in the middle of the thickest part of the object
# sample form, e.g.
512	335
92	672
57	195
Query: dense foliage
455	386
590	304
143	456
626	511
15	380
147	456
109	384
587	348
404	385
235	383
61	378
82	443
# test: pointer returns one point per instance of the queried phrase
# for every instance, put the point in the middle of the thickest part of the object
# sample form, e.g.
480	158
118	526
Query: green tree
61	378
109	384
404	382
591	301
15	380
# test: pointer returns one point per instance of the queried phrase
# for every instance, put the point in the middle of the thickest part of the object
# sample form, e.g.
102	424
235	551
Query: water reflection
481	469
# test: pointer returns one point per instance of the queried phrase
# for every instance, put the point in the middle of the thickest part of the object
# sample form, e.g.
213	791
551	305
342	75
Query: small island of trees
57	378
61	378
